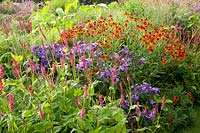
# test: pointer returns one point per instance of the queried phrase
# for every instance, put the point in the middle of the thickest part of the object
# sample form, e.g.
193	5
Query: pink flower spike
51	83
138	112
1	114
16	68
54	68
85	95
155	111
43	71
32	65
11	102
41	114
1	86
79	101
121	88
82	113
122	100
62	63
163	102
31	90
128	77
101	100
1	71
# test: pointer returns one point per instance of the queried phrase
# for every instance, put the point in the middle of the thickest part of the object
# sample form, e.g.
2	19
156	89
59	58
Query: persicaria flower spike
85	95
54	68
43	71
101	100
163	102
31	90
11	102
41	114
1	114
16	68
82	113
138	112
32	65
1	86
1	71
122	100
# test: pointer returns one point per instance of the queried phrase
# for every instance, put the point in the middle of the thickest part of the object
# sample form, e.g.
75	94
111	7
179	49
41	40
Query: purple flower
146	88
142	60
154	90
135	97
125	105
148	114
33	49
152	102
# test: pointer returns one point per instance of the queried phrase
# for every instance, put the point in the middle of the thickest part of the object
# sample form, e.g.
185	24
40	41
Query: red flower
150	49
189	94
175	99
171	120
163	54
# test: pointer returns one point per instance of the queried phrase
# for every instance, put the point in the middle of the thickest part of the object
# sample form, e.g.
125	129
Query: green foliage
7	8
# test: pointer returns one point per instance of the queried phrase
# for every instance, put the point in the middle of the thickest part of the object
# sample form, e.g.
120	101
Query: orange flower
164	61
150	49
163	54
173	57
175	99
180	59
105	56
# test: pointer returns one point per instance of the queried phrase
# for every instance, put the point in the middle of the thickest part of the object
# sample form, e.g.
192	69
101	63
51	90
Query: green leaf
18	58
60	12
78	92
26	113
133	106
143	129
168	101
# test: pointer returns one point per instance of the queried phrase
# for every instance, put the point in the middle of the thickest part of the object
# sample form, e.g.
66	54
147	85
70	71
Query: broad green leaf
60	12
26	113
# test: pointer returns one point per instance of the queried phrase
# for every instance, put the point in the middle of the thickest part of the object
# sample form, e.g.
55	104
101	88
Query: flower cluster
140	95
85	56
152	37
104	31
146	88
1	78
47	54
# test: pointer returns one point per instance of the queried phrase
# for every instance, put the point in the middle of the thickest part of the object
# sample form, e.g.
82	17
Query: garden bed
118	67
